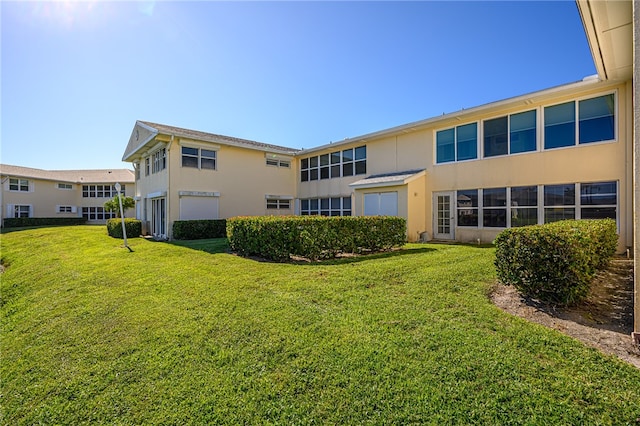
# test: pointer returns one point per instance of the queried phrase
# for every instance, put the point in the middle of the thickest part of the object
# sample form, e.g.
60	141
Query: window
278	204
278	163
559	202
494	213
467	205
21	185
97	213
598	200
198	158
189	157
147	166
457	144
335	206
510	134
524	206
21	211
65	186
159	160
348	162
101	191
596	122
65	209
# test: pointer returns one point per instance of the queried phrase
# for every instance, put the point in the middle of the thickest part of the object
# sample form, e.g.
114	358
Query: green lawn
189	334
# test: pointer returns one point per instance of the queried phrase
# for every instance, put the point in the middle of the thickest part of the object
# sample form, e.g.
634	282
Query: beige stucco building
564	152
28	192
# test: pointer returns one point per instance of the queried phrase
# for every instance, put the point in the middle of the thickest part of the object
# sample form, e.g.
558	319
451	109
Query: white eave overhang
388	179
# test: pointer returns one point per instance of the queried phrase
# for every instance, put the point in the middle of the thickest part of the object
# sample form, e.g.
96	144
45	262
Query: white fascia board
132	155
278	197
198	194
524	100
194	143
357	186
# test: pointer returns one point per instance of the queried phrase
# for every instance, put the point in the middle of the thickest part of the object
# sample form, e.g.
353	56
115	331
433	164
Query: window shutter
31	187
74	209
10	211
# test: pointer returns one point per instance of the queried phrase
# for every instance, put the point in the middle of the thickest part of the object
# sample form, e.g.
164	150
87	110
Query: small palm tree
114	206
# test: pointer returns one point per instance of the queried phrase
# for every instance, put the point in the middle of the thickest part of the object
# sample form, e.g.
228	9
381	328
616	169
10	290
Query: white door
443	216
381	204
158	217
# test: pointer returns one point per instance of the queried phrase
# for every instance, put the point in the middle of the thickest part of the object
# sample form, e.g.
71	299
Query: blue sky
77	75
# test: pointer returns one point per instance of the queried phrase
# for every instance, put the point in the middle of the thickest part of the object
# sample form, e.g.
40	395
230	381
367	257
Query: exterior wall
636	171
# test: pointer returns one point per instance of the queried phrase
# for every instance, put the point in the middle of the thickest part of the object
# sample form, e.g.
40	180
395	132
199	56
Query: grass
190	334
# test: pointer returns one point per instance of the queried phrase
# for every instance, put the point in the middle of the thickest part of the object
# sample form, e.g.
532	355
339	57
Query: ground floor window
66	209
278	204
97	213
536	204
334	206
21	211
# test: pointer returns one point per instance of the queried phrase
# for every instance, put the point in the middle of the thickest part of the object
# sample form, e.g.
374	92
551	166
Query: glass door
158	217
443	216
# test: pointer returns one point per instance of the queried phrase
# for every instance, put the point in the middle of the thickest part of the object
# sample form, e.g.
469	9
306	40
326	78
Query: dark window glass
494	218
324	172
361	153
324	160
467	204
335	171
445	148
189	151
347	169
468	198
347	155
524	196
313	162
189	161
335	157
361	167
558	213
560	195
208	163
524	217
313	204
335	203
304	205
597	119
598	194
598	213
560	125
304	163
495	137
324	204
346	203
523	132
467	138
494	197
304	175
313	174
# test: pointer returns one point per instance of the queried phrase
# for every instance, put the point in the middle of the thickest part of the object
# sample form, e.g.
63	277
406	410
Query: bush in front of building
555	262
199	229
132	226
19	222
313	237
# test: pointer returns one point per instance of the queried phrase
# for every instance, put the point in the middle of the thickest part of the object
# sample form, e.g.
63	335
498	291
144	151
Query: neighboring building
560	153
27	192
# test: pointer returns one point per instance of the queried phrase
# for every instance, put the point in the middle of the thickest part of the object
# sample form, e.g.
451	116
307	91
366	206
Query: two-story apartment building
560	153
28	192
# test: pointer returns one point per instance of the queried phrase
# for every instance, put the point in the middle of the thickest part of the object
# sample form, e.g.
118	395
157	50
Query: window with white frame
21	211
278	204
20	185
494	212
97	213
467	205
524	205
510	134
65	186
159	160
101	191
598	200
278	163
348	162
65	209
198	158
559	202
457	143
580	122
147	166
334	206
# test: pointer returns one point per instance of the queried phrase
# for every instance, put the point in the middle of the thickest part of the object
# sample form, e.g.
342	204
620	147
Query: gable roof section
70	176
388	179
155	128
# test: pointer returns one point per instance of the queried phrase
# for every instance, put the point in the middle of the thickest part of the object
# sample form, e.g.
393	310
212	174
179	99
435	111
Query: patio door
159	217
443	216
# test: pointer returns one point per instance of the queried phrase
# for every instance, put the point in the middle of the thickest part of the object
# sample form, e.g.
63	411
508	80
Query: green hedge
11	222
555	262
198	229
313	237
133	227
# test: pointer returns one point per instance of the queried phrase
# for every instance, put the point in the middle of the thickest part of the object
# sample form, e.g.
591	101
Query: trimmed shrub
313	237
16	222
555	262
132	226
199	229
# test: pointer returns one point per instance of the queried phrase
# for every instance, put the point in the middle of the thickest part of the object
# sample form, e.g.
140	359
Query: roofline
589	81
24	174
586	16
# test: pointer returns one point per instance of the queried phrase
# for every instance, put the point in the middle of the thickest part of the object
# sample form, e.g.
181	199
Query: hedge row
555	262
313	237
198	229
132	226
15	222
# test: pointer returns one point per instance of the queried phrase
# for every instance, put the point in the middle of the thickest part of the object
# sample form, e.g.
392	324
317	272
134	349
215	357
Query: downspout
636	173
168	208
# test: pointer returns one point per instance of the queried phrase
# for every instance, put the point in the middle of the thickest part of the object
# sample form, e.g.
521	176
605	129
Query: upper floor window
65	186
198	158
147	166
457	144
21	185
595	122
159	160
278	163
348	162
510	134
100	191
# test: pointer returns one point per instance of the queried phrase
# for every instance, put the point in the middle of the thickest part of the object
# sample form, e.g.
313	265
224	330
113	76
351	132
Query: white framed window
101	191
579	122
334	206
199	158
348	162
274	162
65	209
278	204
65	186
510	134
147	166
18	211
19	185
457	143
97	213
159	160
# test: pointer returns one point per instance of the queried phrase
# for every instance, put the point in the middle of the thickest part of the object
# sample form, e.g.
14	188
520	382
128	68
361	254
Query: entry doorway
443	216
159	217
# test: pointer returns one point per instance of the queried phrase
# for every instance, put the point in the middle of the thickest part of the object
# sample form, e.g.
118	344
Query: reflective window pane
597	119
495	137
559	125
523	132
